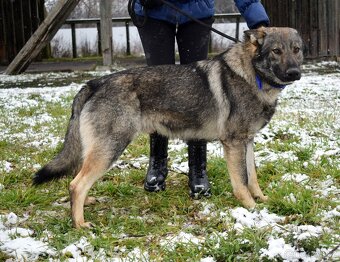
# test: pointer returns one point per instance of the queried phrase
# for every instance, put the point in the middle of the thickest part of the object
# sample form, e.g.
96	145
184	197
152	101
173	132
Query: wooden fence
318	21
18	20
11	41
235	17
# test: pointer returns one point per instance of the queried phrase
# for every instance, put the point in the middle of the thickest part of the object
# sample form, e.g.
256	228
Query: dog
228	98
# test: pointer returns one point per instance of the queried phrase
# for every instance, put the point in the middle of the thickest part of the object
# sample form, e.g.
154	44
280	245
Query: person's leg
193	41
157	170
198	179
193	44
158	40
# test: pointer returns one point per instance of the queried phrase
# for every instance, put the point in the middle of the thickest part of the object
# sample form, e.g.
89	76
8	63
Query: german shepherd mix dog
229	97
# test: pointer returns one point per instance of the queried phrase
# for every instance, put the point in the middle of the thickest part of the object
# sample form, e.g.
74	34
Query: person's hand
149	4
261	24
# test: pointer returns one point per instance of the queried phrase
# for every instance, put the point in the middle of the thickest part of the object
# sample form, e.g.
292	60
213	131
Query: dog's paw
261	198
84	225
248	203
244	196
257	194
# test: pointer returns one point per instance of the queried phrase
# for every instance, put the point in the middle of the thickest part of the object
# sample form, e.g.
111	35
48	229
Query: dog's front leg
235	156
253	184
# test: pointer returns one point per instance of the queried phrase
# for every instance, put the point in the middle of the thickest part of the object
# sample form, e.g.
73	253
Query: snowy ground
318	95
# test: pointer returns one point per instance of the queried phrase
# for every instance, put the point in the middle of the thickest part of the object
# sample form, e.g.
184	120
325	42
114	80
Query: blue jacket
251	10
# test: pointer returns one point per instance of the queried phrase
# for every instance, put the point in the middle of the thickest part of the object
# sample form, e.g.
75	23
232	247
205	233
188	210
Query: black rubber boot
157	170
198	179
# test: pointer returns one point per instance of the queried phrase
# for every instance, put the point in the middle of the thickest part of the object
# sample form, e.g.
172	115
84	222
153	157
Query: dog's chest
246	123
263	118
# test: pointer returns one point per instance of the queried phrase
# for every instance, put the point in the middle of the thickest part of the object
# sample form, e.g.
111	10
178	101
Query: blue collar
260	85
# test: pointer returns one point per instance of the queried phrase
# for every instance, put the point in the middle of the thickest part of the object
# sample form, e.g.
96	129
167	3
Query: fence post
74	43
237	28
106	31
99	42
128	51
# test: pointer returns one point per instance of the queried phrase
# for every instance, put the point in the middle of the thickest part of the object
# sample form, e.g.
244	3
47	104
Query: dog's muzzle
293	74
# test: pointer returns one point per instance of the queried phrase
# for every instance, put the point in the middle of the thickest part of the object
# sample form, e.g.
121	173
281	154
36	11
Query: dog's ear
255	36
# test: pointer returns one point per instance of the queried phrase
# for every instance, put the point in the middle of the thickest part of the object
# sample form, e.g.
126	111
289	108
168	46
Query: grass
126	217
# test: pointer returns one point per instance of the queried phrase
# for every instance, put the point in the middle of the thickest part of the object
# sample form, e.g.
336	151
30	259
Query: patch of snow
326	215
215	149
277	248
208	259
17	242
20	232
139	162
26	248
49	141
266	155
14	79
290	198
327	187
324	188
306	231
180	166
11	219
137	255
170	242
5	166
177	145
321	153
254	219
79	250
298	178
208	210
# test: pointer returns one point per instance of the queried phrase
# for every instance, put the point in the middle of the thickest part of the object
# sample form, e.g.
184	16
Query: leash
133	15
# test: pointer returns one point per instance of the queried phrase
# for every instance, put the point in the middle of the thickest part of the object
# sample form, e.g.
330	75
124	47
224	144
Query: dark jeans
158	40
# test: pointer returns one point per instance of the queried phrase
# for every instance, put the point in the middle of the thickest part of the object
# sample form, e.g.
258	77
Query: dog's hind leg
253	184
235	156
92	169
97	160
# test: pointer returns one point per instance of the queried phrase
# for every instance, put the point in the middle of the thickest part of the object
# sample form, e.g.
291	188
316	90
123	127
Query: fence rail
236	17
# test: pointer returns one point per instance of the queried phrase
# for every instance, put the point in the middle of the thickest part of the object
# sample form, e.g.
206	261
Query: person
159	26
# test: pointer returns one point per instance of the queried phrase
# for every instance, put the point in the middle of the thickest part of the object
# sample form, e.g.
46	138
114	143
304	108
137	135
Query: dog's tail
69	160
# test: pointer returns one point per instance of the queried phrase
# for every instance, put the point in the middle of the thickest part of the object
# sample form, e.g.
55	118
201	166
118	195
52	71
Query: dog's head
277	54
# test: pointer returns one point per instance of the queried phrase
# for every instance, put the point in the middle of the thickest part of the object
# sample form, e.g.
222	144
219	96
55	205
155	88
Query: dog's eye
277	51
296	49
